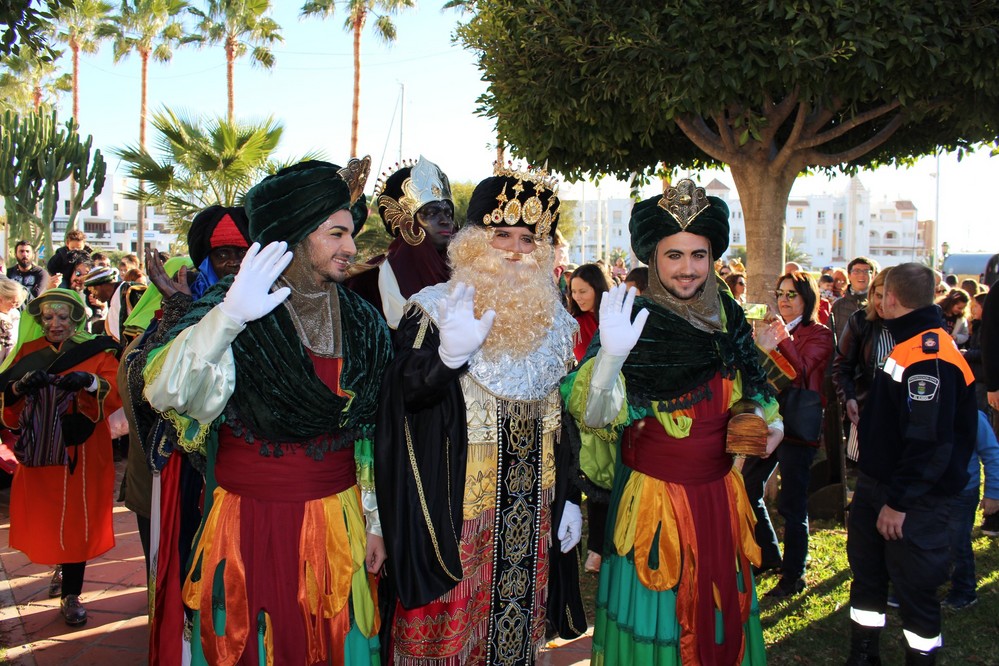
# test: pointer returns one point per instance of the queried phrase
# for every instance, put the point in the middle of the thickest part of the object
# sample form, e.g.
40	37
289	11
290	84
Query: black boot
914	657
865	646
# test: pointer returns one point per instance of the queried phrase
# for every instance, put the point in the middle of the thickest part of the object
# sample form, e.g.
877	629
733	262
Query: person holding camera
800	347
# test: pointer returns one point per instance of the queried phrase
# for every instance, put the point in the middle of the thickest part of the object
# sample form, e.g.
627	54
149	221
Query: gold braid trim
423	498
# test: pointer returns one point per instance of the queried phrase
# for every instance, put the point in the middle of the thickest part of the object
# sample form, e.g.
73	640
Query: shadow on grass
814	627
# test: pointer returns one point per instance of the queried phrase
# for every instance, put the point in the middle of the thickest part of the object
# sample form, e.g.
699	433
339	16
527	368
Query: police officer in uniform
917	433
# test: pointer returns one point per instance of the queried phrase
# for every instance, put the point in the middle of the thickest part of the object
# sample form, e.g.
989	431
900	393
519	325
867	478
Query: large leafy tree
241	26
200	163
775	89
358	12
28	23
150	28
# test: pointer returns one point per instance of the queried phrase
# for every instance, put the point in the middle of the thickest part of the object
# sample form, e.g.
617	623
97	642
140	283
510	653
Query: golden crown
356	175
684	201
511	211
425	183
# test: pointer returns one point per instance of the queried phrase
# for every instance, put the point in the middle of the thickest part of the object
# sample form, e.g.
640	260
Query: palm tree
30	82
357	16
78	26
200	163
150	28
240	26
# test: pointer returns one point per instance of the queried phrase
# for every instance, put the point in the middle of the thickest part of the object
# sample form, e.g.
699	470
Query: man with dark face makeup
653	394
416	207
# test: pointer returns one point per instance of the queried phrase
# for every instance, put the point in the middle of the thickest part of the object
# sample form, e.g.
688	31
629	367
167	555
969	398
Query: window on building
93	209
891	236
617	217
736	237
798	214
116	208
67	207
822	217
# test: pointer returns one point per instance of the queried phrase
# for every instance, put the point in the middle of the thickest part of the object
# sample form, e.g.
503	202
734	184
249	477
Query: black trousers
917	564
72	578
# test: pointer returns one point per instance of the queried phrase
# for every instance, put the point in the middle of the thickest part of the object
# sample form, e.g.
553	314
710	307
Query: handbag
41	442
801	409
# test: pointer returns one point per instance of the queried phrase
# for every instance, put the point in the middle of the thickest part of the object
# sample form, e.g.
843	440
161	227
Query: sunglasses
790	295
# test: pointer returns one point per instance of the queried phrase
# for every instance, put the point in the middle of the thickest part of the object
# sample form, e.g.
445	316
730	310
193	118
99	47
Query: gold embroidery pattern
512	627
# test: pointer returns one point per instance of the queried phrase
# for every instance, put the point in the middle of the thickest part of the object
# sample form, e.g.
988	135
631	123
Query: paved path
114	594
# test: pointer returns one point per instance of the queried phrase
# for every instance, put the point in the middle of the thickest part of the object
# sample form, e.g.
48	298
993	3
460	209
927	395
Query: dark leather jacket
854	364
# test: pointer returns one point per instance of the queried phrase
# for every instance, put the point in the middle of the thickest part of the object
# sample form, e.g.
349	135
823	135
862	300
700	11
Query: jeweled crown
510	210
356	176
684	201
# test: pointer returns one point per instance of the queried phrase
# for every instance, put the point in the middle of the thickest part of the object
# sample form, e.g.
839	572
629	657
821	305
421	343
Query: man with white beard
471	472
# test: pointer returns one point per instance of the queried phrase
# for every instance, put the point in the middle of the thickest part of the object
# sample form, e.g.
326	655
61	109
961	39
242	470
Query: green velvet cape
673	361
279	397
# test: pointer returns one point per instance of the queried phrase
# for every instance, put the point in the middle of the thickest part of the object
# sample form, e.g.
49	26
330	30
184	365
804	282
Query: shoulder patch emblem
923	388
931	343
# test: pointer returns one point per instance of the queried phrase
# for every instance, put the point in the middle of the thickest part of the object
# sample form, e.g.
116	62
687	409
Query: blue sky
309	91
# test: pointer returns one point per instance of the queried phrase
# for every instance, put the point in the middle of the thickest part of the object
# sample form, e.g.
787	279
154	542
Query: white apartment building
110	224
834	228
829	228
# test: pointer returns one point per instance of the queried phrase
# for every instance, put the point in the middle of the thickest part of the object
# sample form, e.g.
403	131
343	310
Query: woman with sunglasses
800	347
737	285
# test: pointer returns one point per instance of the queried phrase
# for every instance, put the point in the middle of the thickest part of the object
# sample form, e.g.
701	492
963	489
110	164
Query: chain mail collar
531	377
314	310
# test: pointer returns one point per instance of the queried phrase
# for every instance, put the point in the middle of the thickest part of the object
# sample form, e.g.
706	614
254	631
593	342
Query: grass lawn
813	628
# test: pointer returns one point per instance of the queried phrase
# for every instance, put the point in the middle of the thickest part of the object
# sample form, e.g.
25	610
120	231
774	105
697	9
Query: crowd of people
387	462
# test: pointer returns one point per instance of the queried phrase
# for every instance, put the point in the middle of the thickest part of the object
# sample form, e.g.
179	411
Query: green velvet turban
291	204
650	223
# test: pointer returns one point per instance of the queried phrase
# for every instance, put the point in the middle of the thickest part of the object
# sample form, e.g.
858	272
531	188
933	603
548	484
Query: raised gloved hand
570	528
74	381
249	298
618	334
31	382
461	333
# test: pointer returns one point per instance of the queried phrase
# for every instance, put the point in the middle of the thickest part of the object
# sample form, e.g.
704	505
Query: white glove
570	529
618	334
249	297
461	333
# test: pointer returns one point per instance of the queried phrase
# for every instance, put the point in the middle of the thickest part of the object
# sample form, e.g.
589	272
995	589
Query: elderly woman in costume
58	388
652	398
273	376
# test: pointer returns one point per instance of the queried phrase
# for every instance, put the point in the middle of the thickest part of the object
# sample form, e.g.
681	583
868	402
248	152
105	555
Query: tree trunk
230	61
763	195
140	213
75	47
500	151
358	26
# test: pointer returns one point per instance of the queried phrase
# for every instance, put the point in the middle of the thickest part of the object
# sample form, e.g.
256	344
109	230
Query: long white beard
522	293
